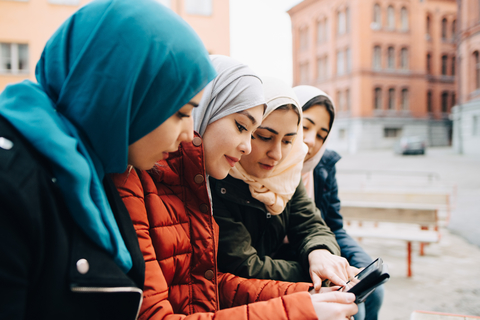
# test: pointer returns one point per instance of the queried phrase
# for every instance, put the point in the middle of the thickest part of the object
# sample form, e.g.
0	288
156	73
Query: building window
454	100
476	61
454	29
404	18
429	63
13	58
326	68
348	58
347	100
444	65
429	102
428	28
319	69
342	134
390	18
377	100
391	99
341	23
340	101
340	63
405	100
377	58
445	102
199	7
391	58
320	32
444	29
475	126
304	43
347	20
377	17
391	132
326	29
404	59
453	66
304	76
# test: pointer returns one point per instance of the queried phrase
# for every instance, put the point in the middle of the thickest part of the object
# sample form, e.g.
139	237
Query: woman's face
228	139
316	126
155	146
271	143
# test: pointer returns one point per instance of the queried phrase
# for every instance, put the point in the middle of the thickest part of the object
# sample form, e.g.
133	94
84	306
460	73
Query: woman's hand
334	305
324	265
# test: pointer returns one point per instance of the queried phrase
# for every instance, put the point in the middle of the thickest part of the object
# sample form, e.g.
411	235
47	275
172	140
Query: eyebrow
248	115
275	132
306	118
194	104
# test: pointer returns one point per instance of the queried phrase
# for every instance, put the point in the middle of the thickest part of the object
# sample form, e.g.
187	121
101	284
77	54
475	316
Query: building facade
389	65
466	115
26	25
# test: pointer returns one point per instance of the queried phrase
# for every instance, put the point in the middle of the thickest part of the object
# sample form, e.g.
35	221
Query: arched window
429	101
341	23
444	65
444	28
377	15
453	66
377	58
445	102
428	28
326	29
391	99
454	29
405	100
429	63
404	59
476	61
391	58
390	18
320	32
347	20
404	18
340	63
304	43
377	99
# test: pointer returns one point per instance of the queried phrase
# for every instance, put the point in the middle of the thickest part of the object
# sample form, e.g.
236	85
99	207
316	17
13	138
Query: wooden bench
428	315
440	200
411	223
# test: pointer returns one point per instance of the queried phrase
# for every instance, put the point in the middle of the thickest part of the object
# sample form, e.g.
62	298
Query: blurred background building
466	115
389	65
26	25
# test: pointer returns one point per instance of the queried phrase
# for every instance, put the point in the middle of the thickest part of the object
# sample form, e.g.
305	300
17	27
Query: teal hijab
112	73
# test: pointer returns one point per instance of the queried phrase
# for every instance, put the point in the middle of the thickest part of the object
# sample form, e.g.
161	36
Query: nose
187	130
275	152
309	139
245	145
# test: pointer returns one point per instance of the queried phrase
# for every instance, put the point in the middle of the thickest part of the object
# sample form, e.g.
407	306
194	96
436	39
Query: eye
287	141
263	138
240	127
319	137
182	115
305	128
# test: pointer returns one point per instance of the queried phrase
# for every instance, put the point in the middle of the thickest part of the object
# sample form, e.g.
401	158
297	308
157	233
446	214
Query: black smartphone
365	282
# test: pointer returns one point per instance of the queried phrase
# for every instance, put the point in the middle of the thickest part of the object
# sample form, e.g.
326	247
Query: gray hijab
236	88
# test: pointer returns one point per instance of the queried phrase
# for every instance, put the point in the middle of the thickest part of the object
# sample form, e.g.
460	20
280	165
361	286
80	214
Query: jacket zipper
112	290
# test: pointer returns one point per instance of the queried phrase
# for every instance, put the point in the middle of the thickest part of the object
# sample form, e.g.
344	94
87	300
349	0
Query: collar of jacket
236	191
329	159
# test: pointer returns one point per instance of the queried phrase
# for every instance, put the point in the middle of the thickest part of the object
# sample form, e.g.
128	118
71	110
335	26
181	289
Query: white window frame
14	60
199	7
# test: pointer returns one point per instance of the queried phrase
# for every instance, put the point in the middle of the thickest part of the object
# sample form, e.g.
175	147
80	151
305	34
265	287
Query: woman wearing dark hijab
111	80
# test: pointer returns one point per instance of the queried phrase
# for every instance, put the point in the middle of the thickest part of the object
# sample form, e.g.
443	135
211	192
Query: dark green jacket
250	237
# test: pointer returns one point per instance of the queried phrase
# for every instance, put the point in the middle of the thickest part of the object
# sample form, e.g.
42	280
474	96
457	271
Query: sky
261	36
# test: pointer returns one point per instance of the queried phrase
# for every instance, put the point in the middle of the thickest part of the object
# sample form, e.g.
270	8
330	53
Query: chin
218	173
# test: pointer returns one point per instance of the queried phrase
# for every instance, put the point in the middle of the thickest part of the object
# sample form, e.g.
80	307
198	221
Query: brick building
26	25
389	65
466	115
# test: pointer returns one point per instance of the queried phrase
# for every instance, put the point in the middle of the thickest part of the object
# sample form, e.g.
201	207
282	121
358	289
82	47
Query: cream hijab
276	190
305	94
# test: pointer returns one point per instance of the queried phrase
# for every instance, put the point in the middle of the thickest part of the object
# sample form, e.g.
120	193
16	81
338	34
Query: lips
266	166
231	160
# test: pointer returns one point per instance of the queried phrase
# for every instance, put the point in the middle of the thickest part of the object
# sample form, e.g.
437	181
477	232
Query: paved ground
447	277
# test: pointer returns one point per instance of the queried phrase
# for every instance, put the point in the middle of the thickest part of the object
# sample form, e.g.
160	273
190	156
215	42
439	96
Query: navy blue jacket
326	199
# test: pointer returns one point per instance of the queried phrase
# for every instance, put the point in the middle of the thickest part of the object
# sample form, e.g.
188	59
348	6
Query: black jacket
40	247
326	199
251	239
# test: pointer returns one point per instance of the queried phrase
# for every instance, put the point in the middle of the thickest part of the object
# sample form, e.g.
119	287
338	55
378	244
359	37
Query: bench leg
409	259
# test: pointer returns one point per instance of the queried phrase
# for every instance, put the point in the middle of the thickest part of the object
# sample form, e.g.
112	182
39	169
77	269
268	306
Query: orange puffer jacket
171	211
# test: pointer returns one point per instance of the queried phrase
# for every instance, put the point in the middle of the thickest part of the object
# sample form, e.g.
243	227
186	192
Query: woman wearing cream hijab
263	200
319	178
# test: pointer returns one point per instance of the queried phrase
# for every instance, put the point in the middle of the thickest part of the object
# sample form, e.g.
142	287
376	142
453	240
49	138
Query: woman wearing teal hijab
110	75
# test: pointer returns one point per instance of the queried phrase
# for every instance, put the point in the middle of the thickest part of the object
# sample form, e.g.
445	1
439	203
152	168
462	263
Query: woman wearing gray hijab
171	210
